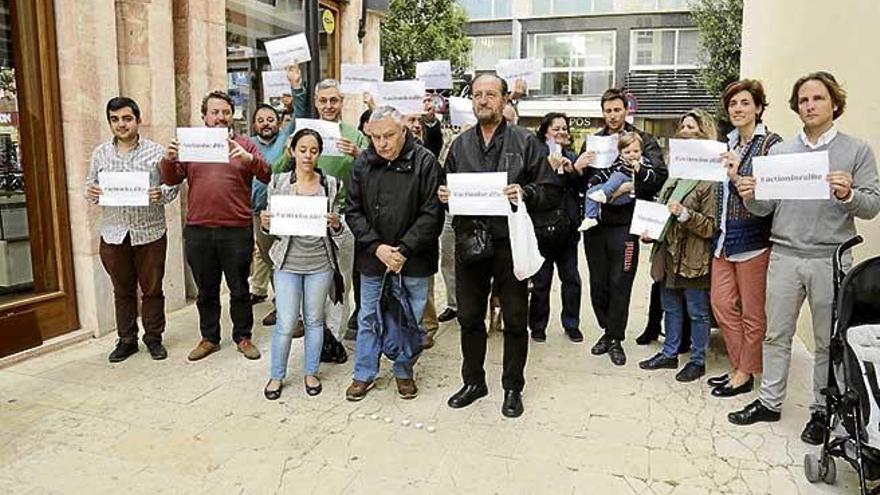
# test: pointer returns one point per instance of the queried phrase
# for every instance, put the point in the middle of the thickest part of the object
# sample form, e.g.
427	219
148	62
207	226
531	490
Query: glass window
488	49
575	63
486	9
16	270
249	24
664	48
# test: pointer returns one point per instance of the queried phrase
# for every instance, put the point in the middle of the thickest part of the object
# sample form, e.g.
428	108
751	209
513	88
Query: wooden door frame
53	301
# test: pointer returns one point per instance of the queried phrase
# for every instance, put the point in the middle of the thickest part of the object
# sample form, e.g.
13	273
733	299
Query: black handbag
338	289
552	228
475	244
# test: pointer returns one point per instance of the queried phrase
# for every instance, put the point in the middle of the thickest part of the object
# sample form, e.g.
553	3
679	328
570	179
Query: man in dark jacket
612	252
492	146
396	219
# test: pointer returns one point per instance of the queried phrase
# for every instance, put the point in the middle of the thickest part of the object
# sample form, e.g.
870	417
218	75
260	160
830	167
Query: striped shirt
144	224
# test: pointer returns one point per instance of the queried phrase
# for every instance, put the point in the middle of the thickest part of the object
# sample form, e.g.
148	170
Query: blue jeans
292	293
697	302
617	179
367	346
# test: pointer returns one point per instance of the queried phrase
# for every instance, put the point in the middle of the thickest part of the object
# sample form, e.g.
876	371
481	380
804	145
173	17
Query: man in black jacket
396	219
612	252
492	146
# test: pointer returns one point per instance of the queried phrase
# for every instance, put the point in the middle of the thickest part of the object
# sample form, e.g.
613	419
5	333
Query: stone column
88	76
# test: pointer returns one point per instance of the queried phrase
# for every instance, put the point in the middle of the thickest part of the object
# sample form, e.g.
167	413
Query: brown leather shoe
203	350
247	348
406	388
428	341
358	390
299	330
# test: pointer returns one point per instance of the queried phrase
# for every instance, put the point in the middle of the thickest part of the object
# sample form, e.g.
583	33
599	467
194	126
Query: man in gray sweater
805	234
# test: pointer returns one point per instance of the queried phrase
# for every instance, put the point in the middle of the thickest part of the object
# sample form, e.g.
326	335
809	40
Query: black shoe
718	381
273	394
448	314
269	319
122	352
615	352
727	391
512	406
753	413
255	299
691	371
574	335
649	335
659	361
467	395
601	346
539	335
157	350
814	431
312	391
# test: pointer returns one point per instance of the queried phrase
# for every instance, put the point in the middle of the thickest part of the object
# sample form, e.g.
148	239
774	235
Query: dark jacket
433	137
648	180
396	203
525	158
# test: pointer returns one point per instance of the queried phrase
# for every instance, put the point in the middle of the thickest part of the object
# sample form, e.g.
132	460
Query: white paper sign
480	194
203	144
436	74
360	78
298	215
649	217
290	50
792	176
461	111
698	159
528	69
275	84
329	131
605	148
405	96
124	188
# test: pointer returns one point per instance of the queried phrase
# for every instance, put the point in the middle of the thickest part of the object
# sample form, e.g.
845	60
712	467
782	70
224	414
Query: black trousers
565	258
613	258
473	286
212	253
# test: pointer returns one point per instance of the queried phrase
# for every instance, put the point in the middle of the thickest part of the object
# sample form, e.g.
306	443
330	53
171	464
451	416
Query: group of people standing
747	264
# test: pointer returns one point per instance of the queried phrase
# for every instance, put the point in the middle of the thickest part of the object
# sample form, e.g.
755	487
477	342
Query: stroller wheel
811	468
830	474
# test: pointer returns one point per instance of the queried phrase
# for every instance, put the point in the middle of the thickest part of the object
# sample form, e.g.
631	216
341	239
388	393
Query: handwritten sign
528	69
649	217
436	74
480	194
461	111
605	148
298	215
405	96
275	84
698	159
203	144
329	131
792	176
290	50
361	78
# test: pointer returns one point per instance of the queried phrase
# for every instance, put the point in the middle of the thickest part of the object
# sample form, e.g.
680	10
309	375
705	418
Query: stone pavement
70	422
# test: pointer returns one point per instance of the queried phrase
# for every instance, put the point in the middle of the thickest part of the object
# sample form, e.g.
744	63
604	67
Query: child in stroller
852	429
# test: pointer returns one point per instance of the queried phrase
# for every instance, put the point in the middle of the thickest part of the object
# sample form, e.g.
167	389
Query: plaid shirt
144	224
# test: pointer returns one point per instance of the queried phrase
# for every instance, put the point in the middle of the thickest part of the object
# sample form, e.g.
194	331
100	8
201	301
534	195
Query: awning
538	107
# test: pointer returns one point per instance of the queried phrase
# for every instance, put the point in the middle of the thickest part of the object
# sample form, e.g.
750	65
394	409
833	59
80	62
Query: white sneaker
588	223
598	196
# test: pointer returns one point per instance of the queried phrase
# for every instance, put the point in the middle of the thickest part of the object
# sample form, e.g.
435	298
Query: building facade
648	47
166	54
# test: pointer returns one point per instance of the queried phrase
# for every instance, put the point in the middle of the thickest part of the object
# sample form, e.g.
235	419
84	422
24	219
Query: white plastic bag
527	259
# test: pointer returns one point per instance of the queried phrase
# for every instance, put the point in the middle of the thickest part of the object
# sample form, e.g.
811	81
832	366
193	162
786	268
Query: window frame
532	46
633	52
473	68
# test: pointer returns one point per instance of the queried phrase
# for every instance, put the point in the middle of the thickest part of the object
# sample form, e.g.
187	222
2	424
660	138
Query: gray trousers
336	315
790	281
447	262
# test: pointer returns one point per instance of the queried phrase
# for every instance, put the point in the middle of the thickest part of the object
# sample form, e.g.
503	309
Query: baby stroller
852	429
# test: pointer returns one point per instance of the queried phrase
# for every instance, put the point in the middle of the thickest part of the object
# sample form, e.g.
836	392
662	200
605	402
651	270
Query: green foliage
720	23
423	30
